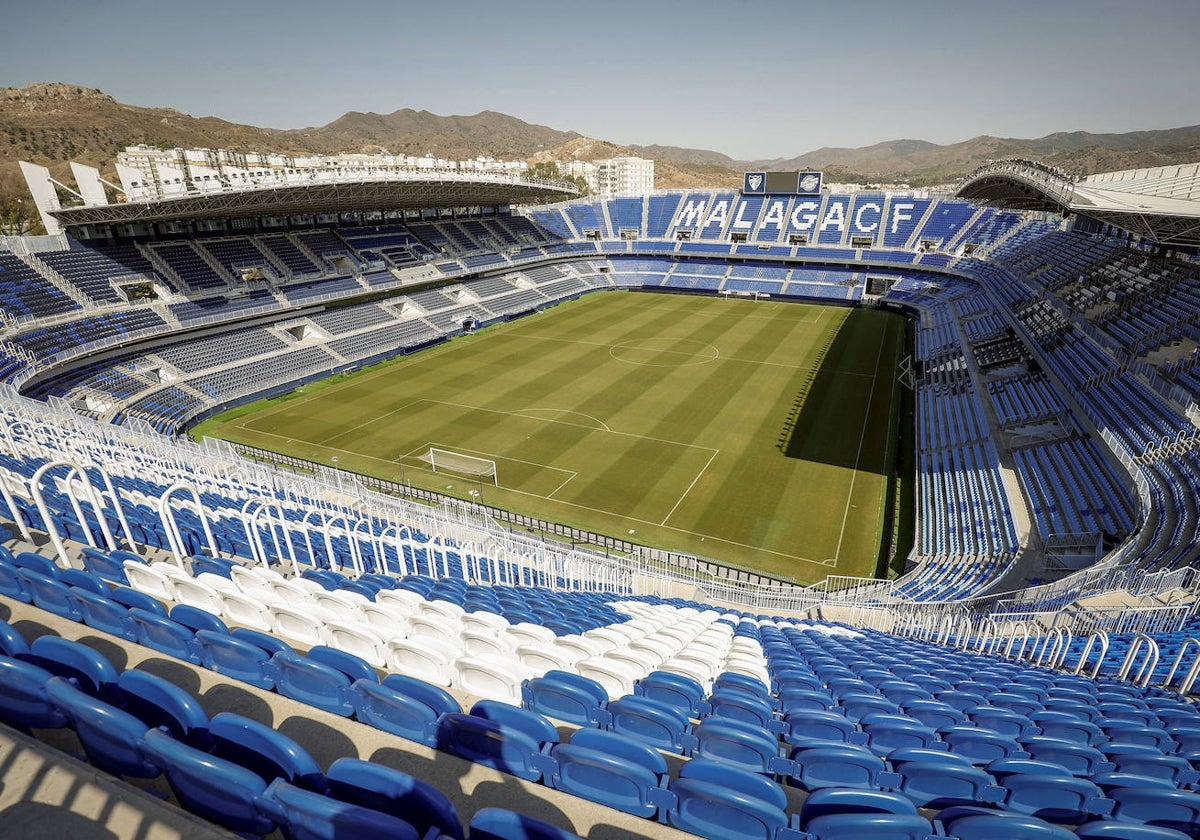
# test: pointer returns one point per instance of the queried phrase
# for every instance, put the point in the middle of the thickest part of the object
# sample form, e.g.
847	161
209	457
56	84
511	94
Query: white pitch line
567	481
525	411
576	425
861	437
479	452
515	491
679	501
374	418
710	537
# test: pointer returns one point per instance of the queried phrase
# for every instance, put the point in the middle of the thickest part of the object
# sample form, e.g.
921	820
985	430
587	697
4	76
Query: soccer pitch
757	433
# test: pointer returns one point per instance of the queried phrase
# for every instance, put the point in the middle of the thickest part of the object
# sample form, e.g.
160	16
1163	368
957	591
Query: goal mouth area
460	463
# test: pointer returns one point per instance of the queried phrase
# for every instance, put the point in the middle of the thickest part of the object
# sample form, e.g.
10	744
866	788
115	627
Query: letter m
690	215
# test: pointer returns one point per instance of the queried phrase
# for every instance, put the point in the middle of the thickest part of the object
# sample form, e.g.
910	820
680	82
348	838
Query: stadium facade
1055	381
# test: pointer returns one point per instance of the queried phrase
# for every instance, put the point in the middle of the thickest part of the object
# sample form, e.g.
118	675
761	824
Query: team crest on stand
754	183
810	183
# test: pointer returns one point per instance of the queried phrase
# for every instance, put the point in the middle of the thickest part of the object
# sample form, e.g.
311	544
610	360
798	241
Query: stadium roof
417	189
1161	204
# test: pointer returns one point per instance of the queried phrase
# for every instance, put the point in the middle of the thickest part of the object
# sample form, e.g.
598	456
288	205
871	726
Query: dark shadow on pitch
853	380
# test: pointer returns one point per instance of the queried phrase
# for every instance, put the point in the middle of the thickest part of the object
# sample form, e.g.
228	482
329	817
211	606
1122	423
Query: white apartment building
620	176
151	173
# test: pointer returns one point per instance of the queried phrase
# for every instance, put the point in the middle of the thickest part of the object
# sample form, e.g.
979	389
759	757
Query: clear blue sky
751	78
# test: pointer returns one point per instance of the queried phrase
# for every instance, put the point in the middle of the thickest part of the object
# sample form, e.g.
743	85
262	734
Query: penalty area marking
525	412
709	537
679	501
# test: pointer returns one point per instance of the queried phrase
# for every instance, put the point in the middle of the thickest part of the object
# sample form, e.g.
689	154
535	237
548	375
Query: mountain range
52	123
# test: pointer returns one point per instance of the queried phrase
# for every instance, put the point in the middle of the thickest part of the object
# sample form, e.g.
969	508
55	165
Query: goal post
459	463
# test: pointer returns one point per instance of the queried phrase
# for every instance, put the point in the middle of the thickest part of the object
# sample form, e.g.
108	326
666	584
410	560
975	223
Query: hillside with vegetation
53	123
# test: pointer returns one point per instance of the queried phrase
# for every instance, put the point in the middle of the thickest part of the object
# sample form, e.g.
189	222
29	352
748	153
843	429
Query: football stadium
451	504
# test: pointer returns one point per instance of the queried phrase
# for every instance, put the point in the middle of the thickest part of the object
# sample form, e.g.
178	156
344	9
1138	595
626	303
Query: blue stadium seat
1054	798
37	563
105	614
501	824
510	749
834	814
91	670
157	702
79	579
353	666
981	745
1005	721
934	714
12	642
1175	809
164	635
314	683
886	733
1173	768
265	641
24	702
870	827
811	727
977	824
403	706
231	656
1067	727
1111	781
211	565
263	750
132	598
651	722
1079	759
567	697
743	705
1111	830
209	786
675	690
51	594
740	743
857	704
832	801
796	700
941	784
195	619
612	770
840	766
99	564
720	802
742	682
304	815
112	739
394	792
12	585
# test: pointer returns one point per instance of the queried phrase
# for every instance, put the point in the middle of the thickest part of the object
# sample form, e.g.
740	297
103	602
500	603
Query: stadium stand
1054	413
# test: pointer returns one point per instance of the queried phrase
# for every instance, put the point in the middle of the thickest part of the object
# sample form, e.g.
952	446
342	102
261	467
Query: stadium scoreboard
781	183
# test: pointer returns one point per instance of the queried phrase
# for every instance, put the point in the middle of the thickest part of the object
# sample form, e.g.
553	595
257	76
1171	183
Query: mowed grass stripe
676	378
766	509
678	398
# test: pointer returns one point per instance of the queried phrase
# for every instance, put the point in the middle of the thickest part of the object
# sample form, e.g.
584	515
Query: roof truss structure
1135	204
420	190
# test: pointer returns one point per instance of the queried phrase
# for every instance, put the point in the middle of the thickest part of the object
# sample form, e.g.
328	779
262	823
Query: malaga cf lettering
866	218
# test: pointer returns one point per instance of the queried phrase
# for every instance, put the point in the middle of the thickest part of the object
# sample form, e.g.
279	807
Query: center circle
664	351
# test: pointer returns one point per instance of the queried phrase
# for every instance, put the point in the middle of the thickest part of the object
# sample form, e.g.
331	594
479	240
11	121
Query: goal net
449	461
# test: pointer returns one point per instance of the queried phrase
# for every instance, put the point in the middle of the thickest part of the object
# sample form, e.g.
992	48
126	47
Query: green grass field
760	434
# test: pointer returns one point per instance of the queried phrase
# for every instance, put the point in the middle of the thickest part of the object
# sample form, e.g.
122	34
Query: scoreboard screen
781	183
